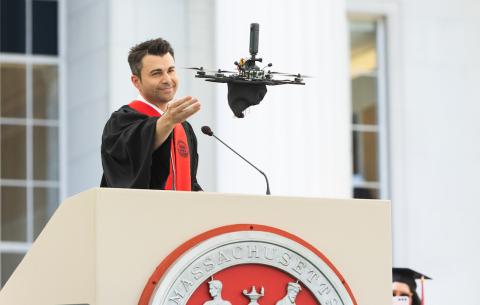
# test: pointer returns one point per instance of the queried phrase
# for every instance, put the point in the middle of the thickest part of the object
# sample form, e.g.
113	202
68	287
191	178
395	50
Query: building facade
391	113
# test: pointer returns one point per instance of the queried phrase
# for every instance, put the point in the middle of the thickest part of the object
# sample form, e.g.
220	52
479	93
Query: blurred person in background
404	285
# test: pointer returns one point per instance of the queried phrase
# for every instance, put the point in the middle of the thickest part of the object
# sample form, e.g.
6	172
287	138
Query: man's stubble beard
163	98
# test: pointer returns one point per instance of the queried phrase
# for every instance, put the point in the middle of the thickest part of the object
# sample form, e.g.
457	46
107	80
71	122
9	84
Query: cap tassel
422	279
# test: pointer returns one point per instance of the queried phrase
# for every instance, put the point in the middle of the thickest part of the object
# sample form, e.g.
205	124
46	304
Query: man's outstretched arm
176	112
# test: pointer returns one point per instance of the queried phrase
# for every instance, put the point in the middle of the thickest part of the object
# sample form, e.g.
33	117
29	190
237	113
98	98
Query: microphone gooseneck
208	131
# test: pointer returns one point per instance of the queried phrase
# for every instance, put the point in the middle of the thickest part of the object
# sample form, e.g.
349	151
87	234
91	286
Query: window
37	34
368	79
29	125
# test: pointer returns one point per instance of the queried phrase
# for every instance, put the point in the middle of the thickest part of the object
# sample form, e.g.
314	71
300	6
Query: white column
87	90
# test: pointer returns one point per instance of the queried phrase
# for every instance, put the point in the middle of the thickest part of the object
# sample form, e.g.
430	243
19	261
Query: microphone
206	130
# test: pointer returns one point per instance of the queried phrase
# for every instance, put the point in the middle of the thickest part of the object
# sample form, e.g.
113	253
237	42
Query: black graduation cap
243	95
408	276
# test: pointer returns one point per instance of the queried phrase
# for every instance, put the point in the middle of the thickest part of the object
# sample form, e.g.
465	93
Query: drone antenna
269	65
254	33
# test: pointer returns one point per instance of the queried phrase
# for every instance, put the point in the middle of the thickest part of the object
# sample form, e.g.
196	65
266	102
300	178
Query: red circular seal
182	149
246	265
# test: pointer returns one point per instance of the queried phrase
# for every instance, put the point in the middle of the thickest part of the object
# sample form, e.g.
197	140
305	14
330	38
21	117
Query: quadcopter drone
247	70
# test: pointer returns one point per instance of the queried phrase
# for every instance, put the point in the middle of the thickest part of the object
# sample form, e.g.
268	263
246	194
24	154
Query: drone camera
254	33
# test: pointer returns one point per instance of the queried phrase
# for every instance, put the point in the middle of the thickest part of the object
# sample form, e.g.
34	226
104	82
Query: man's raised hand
179	110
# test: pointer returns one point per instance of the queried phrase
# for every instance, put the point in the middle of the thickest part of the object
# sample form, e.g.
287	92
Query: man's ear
135	81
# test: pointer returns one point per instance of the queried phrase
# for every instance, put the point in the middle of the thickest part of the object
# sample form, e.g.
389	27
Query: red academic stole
179	152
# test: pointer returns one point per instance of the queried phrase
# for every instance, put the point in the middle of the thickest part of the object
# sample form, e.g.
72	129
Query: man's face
159	79
402	290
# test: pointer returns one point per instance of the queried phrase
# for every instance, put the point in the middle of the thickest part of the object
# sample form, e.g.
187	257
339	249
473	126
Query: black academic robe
128	157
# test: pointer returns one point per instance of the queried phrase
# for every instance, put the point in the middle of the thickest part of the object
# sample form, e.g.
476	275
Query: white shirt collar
143	100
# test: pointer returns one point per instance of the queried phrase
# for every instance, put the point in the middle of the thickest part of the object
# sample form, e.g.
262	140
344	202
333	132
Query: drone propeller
298	75
223	71
201	69
194	68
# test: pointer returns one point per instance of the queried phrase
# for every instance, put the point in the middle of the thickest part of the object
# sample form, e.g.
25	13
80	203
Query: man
148	143
292	291
215	290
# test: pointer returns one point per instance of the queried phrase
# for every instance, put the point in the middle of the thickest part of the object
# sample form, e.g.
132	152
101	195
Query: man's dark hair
157	46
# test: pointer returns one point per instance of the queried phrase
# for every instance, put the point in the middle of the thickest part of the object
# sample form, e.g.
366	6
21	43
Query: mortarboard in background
409	277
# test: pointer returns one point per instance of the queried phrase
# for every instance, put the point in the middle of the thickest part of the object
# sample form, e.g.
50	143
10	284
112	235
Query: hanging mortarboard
409	277
243	95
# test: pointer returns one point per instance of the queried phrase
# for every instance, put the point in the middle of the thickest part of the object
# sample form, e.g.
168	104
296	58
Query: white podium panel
101	246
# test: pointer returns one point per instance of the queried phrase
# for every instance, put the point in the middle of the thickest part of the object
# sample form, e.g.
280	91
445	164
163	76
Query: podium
102	246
